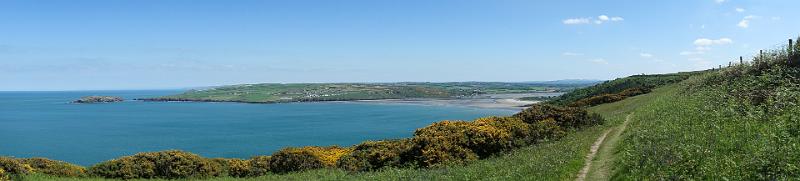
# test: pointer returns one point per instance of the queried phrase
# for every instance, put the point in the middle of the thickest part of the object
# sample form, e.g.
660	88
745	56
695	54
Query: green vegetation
738	123
277	93
98	99
538	98
618	89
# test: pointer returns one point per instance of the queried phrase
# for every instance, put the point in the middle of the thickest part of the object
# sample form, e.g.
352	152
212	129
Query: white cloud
720	1
745	23
576	21
687	53
646	55
702	42
740	10
776	18
571	54
599	20
599	61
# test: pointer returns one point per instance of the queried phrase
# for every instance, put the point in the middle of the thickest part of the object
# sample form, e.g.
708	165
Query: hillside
620	85
277	93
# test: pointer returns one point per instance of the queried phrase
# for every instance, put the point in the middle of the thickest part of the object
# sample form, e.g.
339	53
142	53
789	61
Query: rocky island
98	99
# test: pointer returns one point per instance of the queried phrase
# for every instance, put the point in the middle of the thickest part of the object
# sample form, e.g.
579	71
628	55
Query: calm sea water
45	124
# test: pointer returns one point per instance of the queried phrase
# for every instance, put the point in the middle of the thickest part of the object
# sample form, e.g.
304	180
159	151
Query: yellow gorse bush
14	166
166	164
305	158
3	175
53	167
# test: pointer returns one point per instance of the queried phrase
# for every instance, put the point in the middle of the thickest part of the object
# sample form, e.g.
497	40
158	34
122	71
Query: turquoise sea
45	124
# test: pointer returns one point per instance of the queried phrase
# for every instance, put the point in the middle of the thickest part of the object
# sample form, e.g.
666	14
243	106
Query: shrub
374	155
305	158
458	142
13	166
259	165
597	100
235	167
634	91
565	117
53	167
547	129
3	175
170	164
520	132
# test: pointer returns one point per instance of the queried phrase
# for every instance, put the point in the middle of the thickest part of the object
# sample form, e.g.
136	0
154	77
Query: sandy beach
491	101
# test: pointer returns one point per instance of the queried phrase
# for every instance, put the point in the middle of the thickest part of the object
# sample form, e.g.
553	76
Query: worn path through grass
601	166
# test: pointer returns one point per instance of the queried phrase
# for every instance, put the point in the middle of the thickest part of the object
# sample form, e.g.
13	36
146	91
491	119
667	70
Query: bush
565	117
259	165
170	164
3	175
458	142
305	158
374	155
53	167
13	166
520	132
547	129
597	100
236	167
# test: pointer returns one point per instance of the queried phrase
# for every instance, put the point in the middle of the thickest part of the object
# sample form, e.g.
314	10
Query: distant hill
311	92
568	81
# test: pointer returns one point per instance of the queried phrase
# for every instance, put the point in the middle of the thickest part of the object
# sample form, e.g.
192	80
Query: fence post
741	60
791	51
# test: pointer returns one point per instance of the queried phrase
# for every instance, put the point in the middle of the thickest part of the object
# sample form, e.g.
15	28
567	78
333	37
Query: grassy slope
620	84
737	124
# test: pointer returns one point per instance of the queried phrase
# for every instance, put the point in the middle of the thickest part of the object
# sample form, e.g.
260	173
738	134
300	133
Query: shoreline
489	101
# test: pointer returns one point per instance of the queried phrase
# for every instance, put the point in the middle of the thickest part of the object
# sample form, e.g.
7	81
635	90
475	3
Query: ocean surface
46	124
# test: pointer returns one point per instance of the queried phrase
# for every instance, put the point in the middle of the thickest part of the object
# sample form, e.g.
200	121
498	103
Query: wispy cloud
599	20
599	61
646	55
745	23
703	42
576	21
720	1
702	45
740	10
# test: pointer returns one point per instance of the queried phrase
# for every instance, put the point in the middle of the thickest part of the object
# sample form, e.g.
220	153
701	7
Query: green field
277	93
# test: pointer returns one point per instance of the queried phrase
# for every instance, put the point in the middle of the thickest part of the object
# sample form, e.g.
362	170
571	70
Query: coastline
488	101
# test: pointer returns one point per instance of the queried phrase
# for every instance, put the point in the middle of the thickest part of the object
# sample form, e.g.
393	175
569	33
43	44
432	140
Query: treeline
441	143
618	89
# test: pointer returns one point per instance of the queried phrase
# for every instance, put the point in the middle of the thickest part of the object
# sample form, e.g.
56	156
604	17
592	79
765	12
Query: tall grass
738	123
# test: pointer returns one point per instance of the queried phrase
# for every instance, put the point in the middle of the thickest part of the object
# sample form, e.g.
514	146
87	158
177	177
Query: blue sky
80	45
